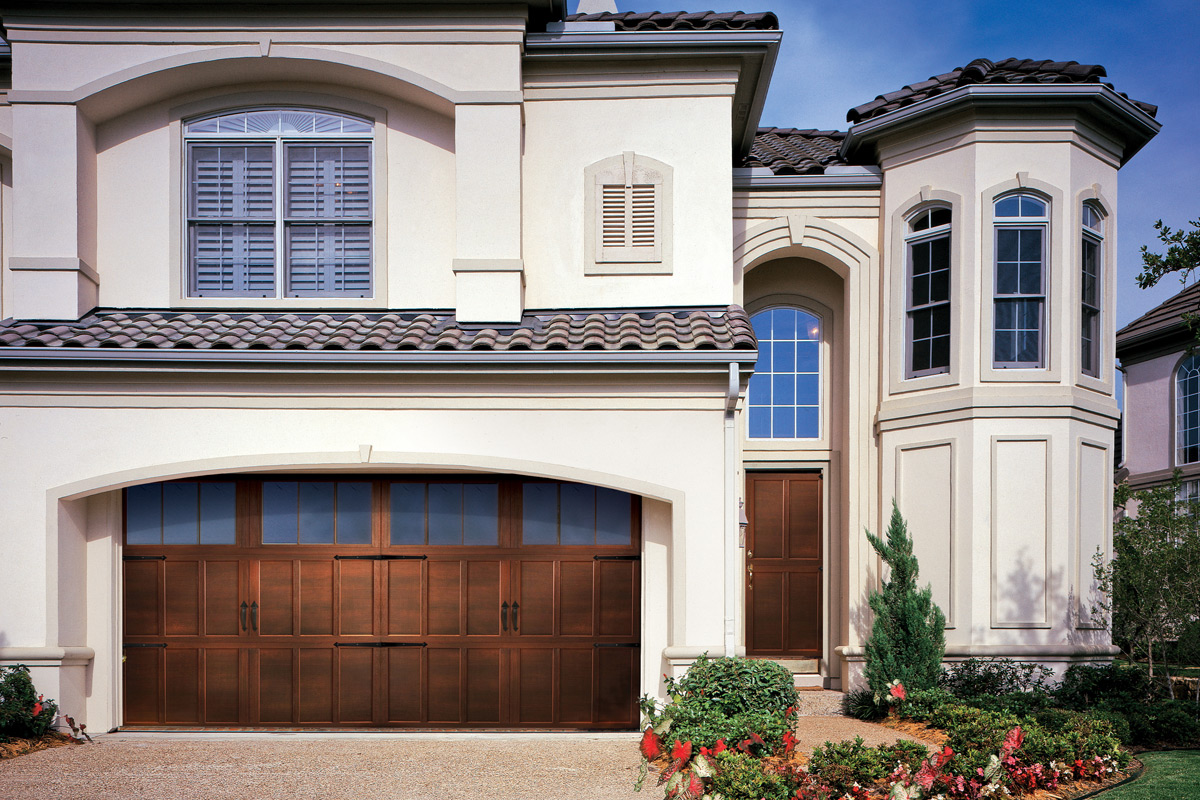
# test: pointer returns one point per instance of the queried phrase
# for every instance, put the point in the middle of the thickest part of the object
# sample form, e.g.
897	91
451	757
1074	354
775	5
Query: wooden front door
783	564
416	603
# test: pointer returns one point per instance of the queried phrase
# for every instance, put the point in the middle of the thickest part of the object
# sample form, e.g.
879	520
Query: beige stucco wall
68	455
1150	418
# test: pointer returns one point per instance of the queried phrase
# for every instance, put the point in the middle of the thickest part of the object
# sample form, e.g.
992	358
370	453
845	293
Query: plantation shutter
231	215
628	204
328	213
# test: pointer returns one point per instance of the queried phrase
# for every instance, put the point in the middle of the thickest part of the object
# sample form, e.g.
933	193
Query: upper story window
1187	411
785	390
279	204
928	293
1021	222
628	211
1090	290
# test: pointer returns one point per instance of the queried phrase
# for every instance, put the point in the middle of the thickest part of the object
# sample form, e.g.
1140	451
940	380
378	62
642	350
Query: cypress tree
908	637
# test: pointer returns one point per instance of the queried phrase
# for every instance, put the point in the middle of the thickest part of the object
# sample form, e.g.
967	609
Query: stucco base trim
1053	652
47	656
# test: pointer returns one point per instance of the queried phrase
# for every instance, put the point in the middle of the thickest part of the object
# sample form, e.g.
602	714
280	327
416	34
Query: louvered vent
628	222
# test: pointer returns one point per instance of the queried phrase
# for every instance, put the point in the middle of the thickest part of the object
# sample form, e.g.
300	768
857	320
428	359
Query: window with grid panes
279	204
928	293
1090	288
785	389
1187	411
1021	222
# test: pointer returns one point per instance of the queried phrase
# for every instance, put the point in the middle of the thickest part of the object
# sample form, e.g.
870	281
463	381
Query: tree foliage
1152	584
1182	256
908	637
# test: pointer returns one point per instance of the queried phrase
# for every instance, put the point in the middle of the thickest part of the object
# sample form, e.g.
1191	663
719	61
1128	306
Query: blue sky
840	54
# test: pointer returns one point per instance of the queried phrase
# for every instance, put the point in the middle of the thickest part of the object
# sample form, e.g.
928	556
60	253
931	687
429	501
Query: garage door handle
244	607
504	616
254	616
516	608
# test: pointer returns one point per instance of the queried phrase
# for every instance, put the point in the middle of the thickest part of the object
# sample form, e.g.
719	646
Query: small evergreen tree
908	637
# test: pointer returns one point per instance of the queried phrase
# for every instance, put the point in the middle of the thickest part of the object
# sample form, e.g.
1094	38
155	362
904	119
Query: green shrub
1118	721
18	703
921	704
741	777
703	725
737	685
843	764
907	638
978	677
1085	686
1020	704
860	704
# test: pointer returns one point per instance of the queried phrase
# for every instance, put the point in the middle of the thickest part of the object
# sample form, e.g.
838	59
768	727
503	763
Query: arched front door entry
406	602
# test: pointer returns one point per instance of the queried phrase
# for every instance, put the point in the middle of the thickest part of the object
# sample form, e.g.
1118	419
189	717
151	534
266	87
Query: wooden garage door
402	603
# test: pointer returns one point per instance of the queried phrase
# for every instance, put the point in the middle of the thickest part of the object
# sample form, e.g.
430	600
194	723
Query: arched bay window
927	296
1021	225
785	390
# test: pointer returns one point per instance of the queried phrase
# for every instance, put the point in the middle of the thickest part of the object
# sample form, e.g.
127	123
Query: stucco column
489	279
52	260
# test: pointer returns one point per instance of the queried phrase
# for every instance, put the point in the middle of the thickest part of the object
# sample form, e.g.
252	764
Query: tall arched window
1187	411
928	293
1021	222
1090	290
279	204
785	390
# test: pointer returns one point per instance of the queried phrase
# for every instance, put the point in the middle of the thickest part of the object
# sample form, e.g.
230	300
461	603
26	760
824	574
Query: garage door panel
316	667
616	598
275	679
616	672
535	593
182	672
405	598
316	598
183	598
143	684
356	685
484	673
444	685
483	598
276	593
222	693
405	685
576	598
575	685
143	598
535	673
221	598
445	603
356	598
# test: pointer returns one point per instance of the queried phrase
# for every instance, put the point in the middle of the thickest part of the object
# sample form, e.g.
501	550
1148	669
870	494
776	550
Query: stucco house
473	365
1161	422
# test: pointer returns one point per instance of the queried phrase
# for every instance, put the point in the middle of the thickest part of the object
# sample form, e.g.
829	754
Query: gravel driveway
388	766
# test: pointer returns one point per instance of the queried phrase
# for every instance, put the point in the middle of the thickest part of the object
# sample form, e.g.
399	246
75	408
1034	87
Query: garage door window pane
143	514
613	517
408	513
539	514
481	514
354	513
181	513
316	513
578	514
279	512
445	514
218	513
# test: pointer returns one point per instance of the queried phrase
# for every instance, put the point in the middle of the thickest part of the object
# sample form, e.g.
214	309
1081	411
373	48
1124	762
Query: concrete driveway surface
379	766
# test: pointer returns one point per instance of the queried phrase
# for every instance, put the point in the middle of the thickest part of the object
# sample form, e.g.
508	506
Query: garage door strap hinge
144	644
402	644
356	558
616	558
358	644
144	558
616	644
402	558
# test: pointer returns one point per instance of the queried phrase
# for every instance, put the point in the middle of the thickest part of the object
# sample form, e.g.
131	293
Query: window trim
628	169
178	208
912	238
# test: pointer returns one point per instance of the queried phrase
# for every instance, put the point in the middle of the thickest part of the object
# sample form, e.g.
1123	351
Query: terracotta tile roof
791	151
1166	317
683	20
979	71
678	329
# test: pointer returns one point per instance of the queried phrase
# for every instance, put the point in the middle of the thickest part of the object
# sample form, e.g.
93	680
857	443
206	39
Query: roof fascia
844	178
756	50
425	358
1136	125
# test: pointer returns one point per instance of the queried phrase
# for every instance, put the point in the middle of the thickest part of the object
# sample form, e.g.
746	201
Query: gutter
834	177
732	462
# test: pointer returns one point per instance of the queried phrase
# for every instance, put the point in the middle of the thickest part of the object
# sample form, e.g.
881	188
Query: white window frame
820	373
1039	223
280	141
1091	314
917	237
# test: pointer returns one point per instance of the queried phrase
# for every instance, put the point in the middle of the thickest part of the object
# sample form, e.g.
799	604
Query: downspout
732	567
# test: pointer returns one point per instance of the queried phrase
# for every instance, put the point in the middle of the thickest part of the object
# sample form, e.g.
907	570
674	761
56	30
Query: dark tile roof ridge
983	71
683	20
1166	316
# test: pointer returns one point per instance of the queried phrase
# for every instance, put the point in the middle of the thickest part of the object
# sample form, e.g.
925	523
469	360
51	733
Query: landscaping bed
19	746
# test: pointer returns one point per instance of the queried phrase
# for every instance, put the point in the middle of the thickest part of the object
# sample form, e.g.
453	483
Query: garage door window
316	512
186	512
573	514
445	514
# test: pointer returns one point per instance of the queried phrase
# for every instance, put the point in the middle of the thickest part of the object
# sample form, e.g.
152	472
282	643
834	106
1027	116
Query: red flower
696	786
1013	740
789	742
651	745
721	747
897	691
37	707
681	752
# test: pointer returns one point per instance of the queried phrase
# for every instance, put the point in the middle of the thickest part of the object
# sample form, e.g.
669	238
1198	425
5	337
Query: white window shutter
628	206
